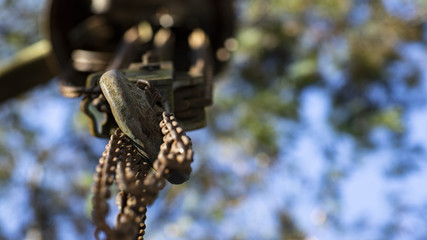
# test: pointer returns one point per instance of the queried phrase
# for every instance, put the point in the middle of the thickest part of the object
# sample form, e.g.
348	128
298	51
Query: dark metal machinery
98	26
144	70
98	35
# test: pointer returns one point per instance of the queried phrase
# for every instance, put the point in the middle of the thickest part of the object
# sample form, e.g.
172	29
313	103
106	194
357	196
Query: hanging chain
138	184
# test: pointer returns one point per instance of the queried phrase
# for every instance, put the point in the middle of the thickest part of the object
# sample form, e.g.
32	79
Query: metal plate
132	112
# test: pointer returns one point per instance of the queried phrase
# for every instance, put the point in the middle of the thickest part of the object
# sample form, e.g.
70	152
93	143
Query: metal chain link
137	183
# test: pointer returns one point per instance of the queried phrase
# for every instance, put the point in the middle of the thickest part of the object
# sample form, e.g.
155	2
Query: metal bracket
182	94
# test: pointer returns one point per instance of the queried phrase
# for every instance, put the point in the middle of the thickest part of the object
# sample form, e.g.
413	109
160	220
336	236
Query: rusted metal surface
119	164
132	111
135	105
138	185
93	103
147	147
182	94
190	100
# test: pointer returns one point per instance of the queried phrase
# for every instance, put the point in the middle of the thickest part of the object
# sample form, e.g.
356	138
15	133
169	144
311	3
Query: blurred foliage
14	37
344	47
361	55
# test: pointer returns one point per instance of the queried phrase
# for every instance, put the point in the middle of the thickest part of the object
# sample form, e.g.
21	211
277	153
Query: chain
70	91
152	93
137	183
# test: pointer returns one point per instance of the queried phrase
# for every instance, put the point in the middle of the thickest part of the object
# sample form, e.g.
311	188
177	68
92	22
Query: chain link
138	184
